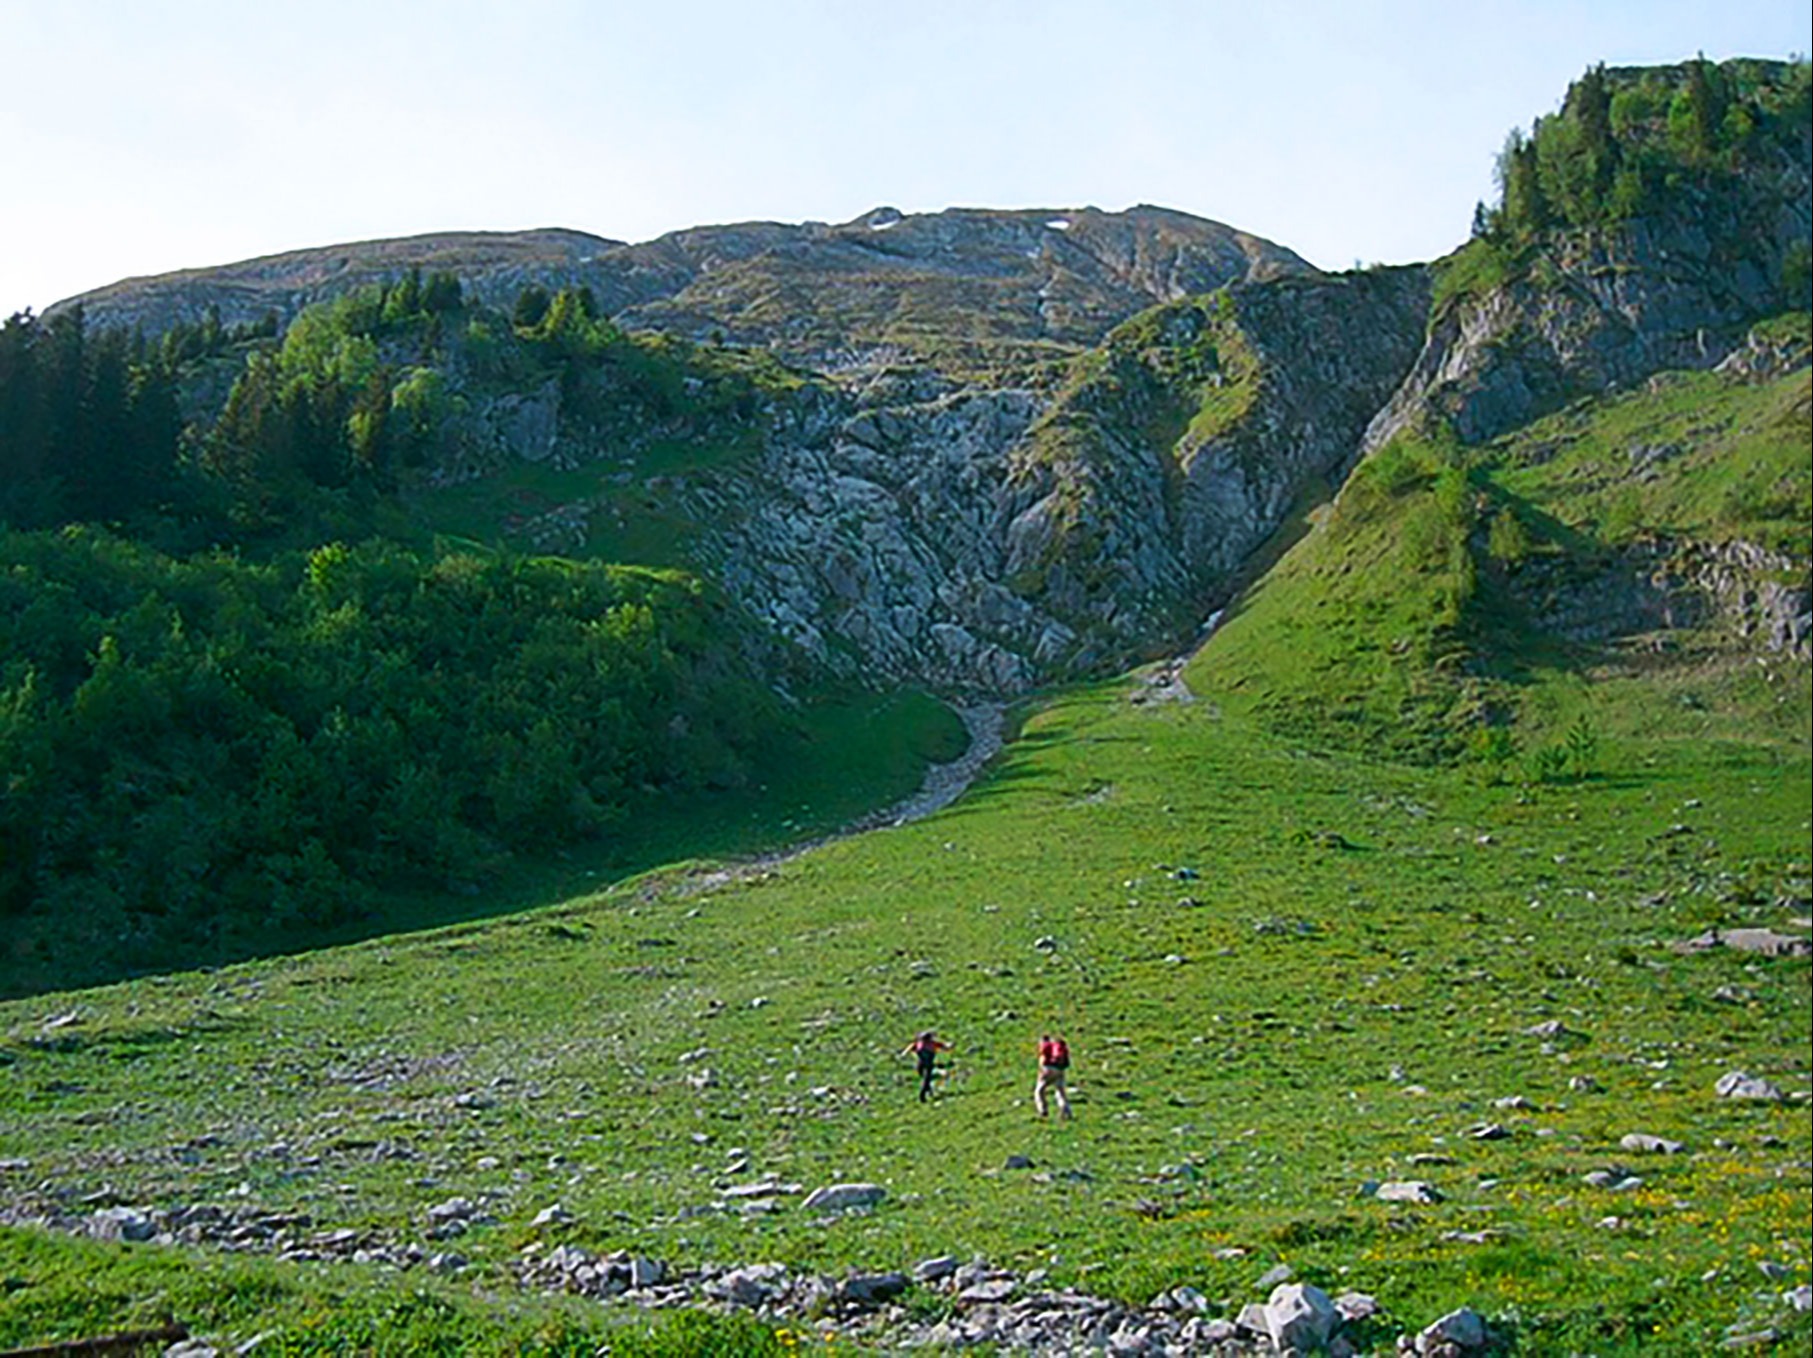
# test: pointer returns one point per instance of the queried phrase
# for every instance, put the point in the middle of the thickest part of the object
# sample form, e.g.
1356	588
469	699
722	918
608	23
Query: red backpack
1057	1053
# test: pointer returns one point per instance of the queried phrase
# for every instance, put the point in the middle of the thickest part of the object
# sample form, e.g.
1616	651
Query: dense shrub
196	751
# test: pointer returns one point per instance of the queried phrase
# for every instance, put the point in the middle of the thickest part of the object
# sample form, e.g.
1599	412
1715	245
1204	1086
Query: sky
139	138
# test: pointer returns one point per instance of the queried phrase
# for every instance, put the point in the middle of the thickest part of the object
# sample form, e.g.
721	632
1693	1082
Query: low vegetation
1419	612
1283	973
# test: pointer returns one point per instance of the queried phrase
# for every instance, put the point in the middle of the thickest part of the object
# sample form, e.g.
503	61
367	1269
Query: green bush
208	750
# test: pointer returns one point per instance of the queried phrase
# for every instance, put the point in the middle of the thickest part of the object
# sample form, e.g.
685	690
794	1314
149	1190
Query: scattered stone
1046	943
568	1258
1254	1320
1736	1084
552	1216
1463	1329
872	1289
1300	1316
751	1286
454	1209
1552	1030
1800	1298
1650	1145
1487	1131
1517	1103
1584	1084
121	1223
933	1270
1016	1162
1430	1158
1273	1276
844	1197
989	1289
1356	1306
1774	1272
1184	1299
1408	1190
1617	1179
1764	941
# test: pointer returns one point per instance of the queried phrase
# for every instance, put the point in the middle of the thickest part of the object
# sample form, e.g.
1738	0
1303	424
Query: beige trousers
1051	1082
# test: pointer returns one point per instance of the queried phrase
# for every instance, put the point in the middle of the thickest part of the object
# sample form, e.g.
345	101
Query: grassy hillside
1449	592
1284	975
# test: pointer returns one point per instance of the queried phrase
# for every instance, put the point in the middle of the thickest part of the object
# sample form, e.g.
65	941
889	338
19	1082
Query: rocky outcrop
1760	599
1139	496
1594	310
990	539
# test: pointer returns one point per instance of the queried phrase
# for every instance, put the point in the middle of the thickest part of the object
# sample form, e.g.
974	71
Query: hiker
926	1047
1054	1068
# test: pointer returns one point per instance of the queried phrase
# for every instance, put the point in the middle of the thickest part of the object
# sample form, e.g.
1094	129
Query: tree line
1622	144
241	697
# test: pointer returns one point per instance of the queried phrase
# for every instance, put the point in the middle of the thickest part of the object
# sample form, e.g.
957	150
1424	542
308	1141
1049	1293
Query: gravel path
942	785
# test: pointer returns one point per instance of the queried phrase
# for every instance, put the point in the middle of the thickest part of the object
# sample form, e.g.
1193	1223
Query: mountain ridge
705	279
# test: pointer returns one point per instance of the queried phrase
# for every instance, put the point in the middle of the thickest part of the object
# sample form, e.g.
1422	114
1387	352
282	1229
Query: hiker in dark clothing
926	1048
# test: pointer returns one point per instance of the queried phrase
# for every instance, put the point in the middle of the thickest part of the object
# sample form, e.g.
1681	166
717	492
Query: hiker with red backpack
1054	1069
925	1047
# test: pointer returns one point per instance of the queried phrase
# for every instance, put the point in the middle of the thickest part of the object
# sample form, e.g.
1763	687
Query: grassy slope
1236	1054
1392	628
1245	1091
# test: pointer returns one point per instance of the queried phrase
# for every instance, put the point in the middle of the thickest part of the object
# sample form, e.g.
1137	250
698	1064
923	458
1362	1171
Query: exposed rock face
1609	307
1210	420
988	539
1759	597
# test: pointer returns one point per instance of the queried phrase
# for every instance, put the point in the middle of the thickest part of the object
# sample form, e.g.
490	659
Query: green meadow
1283	972
1303	931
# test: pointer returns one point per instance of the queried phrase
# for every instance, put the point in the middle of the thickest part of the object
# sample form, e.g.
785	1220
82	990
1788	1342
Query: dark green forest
200	750
241	696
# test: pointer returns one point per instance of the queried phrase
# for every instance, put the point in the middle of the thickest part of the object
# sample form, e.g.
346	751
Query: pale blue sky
137	138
